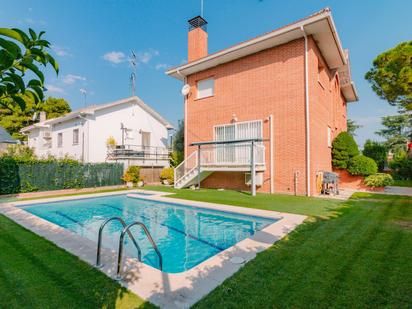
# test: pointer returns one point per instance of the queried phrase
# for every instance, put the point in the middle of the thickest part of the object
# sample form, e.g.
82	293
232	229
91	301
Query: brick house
268	107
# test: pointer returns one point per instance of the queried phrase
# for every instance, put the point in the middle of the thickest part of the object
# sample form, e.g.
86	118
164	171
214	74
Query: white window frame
60	140
205	95
329	136
236	124
76	140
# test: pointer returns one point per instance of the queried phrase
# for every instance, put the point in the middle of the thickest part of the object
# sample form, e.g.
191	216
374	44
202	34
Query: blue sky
93	39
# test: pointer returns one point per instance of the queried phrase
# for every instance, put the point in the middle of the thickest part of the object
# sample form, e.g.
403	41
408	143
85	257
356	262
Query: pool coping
166	290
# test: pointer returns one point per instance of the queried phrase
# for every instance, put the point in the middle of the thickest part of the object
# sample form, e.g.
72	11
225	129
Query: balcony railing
138	152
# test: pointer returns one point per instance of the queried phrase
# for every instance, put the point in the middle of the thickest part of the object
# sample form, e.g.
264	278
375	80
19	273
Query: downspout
87	148
184	116
272	190
307	114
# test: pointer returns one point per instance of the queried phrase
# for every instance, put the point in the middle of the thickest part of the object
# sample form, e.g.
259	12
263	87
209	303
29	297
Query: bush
379	180
377	152
401	166
132	174
168	174
363	166
344	148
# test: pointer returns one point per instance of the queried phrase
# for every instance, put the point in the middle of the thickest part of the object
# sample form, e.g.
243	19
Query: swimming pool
185	235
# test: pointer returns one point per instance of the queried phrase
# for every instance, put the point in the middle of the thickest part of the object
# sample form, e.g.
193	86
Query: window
75	136
60	140
329	132
205	88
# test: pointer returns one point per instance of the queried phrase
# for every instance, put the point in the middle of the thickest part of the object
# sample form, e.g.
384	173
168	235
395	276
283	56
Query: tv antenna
84	93
201	8
133	64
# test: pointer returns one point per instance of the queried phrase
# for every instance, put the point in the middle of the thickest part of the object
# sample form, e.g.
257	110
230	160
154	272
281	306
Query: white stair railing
186	167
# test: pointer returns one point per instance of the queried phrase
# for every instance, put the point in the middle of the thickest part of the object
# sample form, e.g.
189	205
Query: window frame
78	137
329	136
197	88
59	139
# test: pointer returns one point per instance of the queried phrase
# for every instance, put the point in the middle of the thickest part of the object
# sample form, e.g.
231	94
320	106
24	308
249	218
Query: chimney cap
197	22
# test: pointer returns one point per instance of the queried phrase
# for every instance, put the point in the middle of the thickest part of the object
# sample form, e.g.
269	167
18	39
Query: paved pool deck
165	290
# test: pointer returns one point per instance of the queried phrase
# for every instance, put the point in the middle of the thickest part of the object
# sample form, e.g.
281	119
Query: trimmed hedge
37	175
344	148
363	166
379	180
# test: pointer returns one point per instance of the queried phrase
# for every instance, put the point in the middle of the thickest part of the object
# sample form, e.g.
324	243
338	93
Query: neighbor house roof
319	25
90	110
5	137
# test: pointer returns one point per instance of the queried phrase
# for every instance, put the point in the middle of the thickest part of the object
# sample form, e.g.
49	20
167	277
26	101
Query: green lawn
278	202
34	273
403	183
354	254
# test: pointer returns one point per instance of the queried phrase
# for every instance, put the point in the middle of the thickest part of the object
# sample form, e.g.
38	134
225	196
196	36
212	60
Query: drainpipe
271	153
87	148
307	114
185	115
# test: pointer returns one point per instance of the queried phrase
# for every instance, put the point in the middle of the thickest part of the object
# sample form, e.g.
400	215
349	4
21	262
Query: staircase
186	172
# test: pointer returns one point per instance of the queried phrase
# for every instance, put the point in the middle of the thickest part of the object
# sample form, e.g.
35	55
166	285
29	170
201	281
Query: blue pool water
186	236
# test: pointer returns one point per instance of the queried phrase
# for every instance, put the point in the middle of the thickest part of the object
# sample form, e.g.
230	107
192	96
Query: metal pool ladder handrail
121	241
99	241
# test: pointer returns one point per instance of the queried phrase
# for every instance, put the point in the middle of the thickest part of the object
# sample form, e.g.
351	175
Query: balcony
142	155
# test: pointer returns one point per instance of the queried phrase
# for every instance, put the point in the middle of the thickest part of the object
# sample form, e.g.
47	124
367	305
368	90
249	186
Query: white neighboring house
141	134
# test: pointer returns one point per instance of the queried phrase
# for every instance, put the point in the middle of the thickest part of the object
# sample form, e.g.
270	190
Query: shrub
401	166
110	142
167	174
379	180
363	166
376	151
132	174
344	148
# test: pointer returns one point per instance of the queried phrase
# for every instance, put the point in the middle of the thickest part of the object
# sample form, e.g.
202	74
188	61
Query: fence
32	176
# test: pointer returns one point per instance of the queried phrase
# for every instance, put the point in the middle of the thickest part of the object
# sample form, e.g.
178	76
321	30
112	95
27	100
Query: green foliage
27	175
397	131
379	180
377	152
20	153
13	119
21	53
391	76
178	144
401	166
176	158
111	142
168	174
344	148
352	127
363	166
132	174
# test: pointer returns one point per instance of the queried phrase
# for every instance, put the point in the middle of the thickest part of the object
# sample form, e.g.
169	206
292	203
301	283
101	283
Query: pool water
185	235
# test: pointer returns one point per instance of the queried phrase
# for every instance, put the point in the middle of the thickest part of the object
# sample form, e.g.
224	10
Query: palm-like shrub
344	148
362	166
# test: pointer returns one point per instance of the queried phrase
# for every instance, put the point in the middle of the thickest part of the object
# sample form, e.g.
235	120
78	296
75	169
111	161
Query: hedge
17	176
363	166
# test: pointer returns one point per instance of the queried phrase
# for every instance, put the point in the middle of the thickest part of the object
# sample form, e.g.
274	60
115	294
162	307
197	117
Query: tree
391	76
344	148
21	55
13	119
178	144
377	152
397	131
352	126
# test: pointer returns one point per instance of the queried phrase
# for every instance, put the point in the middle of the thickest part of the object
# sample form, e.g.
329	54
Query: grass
403	183
360	258
34	273
278	202
353	254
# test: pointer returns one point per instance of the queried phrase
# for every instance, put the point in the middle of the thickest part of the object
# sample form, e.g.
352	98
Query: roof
320	25
5	137
90	110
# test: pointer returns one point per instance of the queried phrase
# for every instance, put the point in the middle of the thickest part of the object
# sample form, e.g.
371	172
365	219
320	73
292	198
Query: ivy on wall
42	175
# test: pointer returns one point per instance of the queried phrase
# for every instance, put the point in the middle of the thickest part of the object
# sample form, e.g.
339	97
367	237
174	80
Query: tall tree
376	151
13	118
179	144
397	131
352	126
391	76
20	54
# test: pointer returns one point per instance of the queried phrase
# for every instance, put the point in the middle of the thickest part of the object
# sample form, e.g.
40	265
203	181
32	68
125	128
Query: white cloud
61	51
115	57
54	89
71	79
162	66
145	57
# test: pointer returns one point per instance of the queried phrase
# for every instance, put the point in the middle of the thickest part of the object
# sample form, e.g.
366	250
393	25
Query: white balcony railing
138	152
231	155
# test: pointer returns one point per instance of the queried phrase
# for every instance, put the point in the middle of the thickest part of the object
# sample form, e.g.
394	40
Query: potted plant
141	182
132	176
167	176
111	142
128	179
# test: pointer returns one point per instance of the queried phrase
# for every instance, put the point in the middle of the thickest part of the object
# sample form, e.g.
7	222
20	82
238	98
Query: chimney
42	116
197	39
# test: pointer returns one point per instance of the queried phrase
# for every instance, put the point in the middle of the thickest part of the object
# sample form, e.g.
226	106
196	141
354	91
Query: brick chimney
197	39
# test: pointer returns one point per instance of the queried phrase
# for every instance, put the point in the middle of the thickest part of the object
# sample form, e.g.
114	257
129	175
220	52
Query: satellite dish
185	89
34	116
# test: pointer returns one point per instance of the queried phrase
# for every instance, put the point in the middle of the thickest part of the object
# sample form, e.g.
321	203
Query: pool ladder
126	229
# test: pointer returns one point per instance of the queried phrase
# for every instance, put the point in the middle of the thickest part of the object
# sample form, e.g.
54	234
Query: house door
146	141
225	153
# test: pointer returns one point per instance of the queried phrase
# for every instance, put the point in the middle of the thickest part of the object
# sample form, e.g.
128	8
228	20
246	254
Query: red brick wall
197	44
270	82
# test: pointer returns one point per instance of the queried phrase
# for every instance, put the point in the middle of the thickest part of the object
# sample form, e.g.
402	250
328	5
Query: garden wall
16	177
